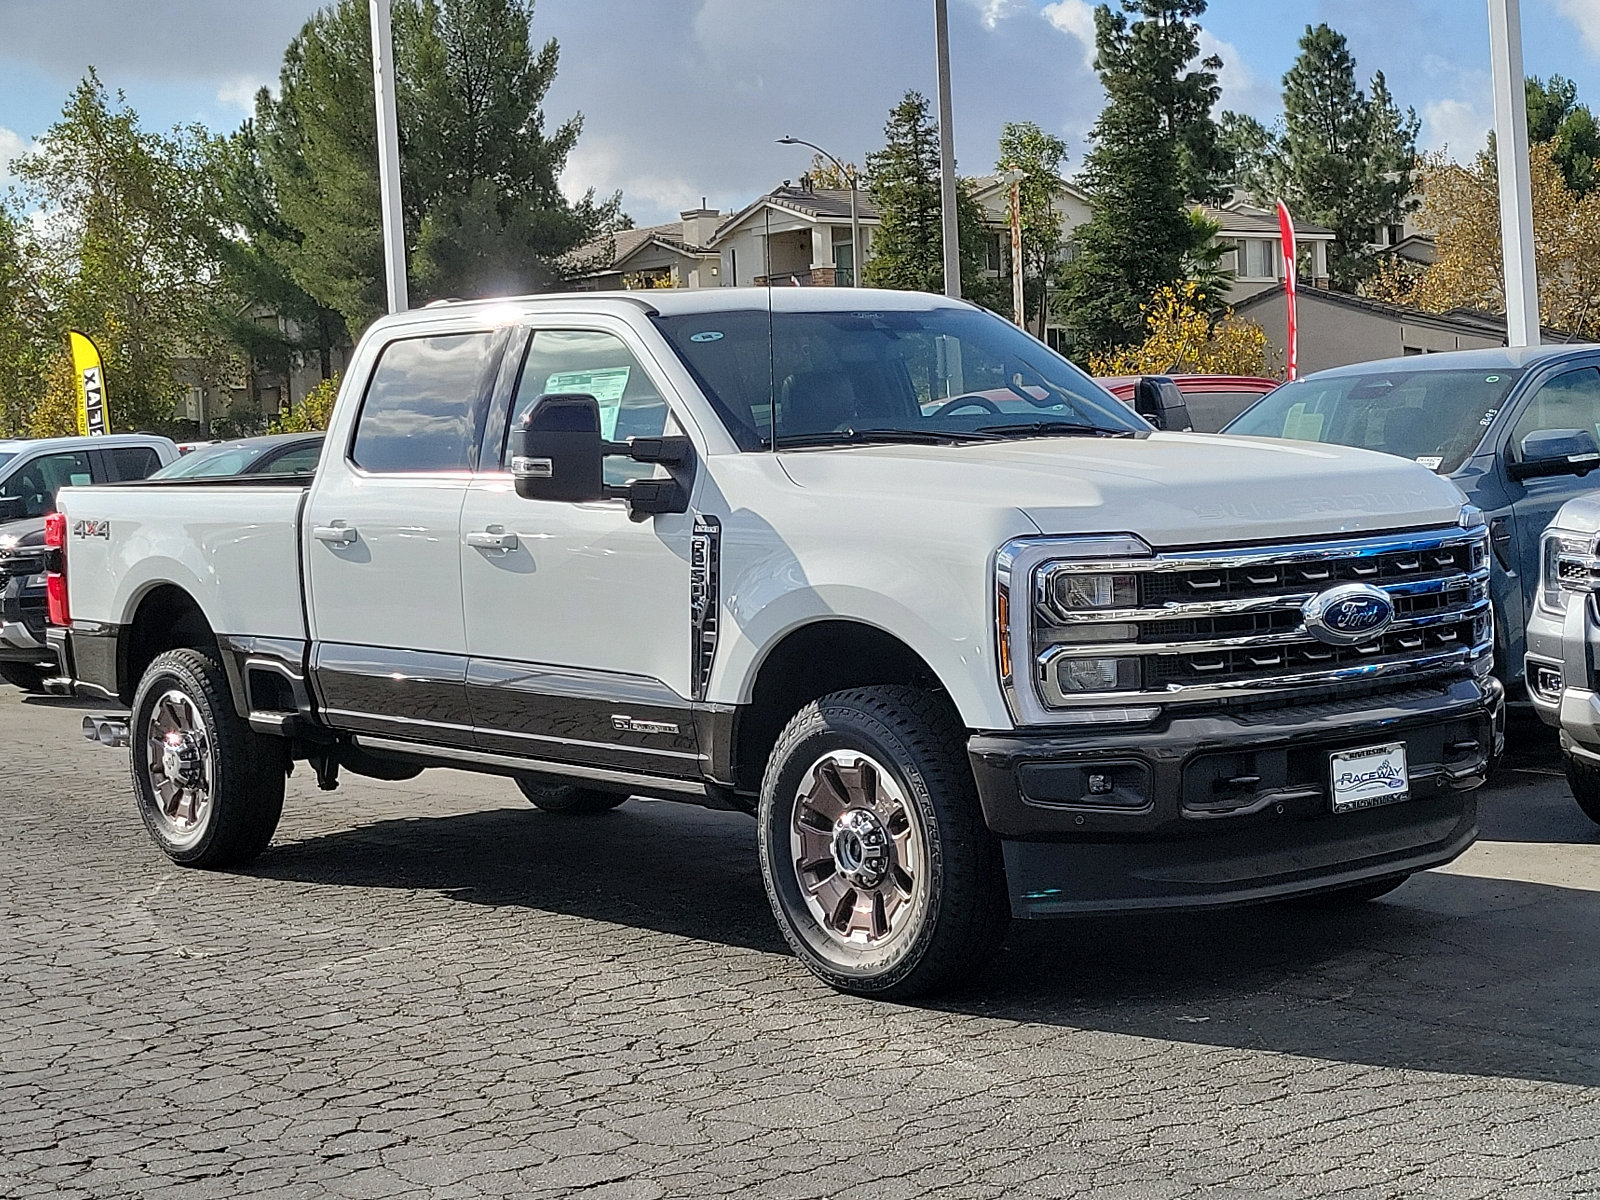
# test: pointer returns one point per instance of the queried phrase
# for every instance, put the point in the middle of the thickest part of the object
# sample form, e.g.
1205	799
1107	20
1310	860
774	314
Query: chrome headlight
1066	594
1567	564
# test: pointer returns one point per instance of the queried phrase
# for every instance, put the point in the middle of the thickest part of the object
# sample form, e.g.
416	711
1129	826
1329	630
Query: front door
577	616
1570	400
382	557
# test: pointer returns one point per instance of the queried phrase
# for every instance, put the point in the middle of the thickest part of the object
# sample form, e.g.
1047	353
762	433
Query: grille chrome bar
1245	637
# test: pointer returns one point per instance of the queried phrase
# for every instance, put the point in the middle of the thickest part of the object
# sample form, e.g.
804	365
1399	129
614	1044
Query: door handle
493	538
335	535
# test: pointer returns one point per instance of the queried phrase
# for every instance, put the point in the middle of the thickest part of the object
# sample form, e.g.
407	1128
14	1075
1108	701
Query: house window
843	264
1259	260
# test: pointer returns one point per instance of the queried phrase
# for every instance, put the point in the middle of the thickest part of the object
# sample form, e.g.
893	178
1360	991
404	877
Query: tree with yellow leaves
1182	338
1461	208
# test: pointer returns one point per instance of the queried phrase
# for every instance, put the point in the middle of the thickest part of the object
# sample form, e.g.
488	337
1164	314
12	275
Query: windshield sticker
1491	379
1301	426
605	385
710	335
1432	461
1488	417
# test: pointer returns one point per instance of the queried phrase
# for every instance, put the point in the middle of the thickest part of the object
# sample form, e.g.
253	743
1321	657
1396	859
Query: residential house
795	234
677	254
1255	250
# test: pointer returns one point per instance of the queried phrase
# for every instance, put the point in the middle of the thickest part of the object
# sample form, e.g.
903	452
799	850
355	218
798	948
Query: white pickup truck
967	638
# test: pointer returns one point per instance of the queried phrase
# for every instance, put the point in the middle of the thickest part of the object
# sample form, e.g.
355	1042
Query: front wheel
566	800
1584	780
210	789
877	863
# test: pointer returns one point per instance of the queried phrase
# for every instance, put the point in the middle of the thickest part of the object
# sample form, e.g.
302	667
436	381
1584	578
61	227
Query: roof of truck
1488	358
673	302
78	442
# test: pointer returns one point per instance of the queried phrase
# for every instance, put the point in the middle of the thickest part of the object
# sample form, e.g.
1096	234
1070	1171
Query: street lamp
855	220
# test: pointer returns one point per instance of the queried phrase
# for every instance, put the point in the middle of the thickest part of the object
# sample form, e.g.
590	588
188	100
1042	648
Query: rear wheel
1584	780
567	800
209	788
880	870
24	675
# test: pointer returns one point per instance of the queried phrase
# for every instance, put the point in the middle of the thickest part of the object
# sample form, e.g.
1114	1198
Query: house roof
1459	320
608	252
988	183
1245	218
817	204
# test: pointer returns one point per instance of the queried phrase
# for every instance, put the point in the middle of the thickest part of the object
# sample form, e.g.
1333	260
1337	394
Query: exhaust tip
108	731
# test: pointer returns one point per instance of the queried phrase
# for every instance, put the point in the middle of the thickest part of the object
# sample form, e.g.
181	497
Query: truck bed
231	543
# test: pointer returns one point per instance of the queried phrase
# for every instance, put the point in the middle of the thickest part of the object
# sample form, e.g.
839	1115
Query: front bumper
1563	649
22	618
1226	808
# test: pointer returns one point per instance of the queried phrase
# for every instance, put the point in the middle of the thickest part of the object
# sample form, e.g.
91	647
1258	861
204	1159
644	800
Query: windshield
1434	417
213	461
794	379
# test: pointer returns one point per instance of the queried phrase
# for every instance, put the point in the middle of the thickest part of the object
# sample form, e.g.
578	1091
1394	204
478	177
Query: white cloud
1075	18
1456	126
1585	14
1242	89
240	91
12	146
992	12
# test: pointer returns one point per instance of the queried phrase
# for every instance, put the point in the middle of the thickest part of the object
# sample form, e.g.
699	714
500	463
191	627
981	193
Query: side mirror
557	452
1556	452
1158	400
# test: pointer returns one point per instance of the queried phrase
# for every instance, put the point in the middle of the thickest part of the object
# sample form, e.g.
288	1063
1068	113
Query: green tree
123	250
1153	147
907	250
23	353
1339	158
483	211
1040	157
1555	116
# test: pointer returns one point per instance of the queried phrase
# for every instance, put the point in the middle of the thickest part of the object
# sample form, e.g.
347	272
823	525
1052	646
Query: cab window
597	364
36	482
422	407
1569	401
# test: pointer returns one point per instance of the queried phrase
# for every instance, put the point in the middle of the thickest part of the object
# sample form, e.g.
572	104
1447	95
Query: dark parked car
1518	430
274	454
1212	400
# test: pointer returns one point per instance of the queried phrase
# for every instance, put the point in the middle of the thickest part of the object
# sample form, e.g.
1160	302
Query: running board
511	764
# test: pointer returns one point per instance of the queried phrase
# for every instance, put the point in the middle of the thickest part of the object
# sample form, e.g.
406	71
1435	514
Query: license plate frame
1368	777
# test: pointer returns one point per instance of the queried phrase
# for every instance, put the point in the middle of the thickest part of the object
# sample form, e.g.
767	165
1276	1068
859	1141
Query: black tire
568	800
1584	780
247	771
956	907
24	675
1356	893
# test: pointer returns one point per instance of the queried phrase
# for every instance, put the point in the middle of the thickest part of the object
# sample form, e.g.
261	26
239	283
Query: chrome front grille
1230	623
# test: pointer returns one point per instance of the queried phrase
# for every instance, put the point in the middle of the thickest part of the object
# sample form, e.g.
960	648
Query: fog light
1547	683
1067	678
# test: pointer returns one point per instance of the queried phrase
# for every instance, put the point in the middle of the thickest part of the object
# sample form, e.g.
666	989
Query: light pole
394	240
1511	147
855	220
947	155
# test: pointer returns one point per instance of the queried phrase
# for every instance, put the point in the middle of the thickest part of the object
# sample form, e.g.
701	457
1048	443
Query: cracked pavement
430	990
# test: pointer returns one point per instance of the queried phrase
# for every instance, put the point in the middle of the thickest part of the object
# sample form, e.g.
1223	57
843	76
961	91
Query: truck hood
23	532
1172	489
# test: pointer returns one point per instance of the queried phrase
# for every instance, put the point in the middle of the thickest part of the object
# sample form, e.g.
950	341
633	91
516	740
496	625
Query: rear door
382	560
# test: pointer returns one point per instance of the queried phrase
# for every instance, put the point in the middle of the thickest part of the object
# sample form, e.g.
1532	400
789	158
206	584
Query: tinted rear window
423	404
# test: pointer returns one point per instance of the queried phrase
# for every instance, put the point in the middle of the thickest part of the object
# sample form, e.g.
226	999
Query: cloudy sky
684	98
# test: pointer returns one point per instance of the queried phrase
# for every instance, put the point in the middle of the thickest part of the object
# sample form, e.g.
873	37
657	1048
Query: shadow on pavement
1453	973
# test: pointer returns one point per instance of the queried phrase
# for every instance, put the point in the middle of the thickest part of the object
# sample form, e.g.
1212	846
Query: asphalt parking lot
430	989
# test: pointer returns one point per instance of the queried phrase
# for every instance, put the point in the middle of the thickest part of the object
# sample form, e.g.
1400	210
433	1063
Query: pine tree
907	250
483	209
1339	158
1555	116
1153	147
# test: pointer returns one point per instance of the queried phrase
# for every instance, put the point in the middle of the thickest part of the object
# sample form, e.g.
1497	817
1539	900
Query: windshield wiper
1053	429
862	437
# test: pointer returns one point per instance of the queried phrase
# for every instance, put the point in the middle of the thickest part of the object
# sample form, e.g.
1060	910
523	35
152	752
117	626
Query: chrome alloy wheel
181	766
859	850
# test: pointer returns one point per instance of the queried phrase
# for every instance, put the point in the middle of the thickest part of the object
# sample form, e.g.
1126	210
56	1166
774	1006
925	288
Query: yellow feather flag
94	413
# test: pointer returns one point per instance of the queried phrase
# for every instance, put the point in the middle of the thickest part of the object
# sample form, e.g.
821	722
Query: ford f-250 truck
965	636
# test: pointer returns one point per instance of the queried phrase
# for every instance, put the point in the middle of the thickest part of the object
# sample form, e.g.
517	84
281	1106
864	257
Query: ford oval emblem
1347	614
